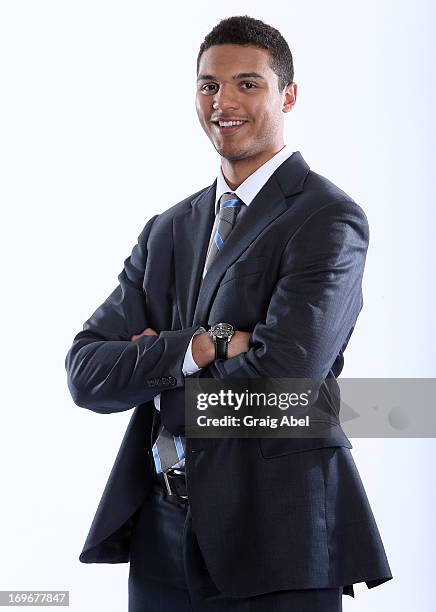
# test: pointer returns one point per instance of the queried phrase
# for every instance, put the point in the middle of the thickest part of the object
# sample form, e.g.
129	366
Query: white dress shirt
246	192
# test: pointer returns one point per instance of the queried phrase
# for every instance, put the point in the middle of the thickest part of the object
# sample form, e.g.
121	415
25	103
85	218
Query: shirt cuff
189	365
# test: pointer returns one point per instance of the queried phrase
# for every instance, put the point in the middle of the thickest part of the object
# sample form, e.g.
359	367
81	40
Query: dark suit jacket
269	513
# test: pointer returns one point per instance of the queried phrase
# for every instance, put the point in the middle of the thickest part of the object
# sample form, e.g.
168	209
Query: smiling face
236	82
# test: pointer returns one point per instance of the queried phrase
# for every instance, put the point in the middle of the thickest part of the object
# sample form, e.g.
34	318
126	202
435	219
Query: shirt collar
249	189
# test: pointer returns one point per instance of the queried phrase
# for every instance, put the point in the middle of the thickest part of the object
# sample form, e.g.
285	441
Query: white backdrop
97	109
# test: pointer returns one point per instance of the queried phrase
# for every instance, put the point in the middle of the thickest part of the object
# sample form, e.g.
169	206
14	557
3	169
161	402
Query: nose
225	99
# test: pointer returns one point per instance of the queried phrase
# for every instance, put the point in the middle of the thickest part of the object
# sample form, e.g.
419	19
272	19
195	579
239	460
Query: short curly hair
245	30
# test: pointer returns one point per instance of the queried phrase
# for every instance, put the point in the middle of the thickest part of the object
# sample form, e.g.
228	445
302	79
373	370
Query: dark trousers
168	573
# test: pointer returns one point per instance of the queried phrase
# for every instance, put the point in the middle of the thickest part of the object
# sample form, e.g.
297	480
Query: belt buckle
168	486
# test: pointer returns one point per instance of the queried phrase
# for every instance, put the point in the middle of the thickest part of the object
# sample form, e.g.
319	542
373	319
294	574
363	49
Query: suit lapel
192	233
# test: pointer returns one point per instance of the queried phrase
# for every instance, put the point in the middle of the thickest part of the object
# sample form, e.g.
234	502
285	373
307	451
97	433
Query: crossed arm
203	350
312	311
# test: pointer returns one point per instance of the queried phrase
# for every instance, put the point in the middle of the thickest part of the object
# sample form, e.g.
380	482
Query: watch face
222	330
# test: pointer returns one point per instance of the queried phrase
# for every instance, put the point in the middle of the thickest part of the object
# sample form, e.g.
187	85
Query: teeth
230	123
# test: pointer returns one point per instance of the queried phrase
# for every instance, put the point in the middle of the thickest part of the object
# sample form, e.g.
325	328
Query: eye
250	83
207	85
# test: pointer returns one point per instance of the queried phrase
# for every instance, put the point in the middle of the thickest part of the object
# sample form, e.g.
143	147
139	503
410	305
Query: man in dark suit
256	276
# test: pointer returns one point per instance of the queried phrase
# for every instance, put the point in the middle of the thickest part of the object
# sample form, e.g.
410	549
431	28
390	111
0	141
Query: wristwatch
221	334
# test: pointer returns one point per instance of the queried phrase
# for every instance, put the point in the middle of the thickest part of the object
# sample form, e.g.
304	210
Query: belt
174	481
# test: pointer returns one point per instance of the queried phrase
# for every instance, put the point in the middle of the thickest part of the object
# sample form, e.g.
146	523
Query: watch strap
221	348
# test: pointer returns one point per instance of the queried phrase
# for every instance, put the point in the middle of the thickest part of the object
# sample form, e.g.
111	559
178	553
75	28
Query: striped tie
230	204
169	450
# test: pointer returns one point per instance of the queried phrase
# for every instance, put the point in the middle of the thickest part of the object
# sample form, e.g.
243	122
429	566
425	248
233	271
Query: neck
235	172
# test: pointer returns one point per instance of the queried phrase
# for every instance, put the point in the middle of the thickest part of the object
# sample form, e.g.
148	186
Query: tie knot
230	204
228	200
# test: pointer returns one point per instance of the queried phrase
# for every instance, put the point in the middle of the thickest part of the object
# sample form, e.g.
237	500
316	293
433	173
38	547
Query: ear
289	97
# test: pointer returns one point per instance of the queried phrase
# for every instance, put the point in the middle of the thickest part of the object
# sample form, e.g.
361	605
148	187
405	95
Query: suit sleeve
315	303
106	372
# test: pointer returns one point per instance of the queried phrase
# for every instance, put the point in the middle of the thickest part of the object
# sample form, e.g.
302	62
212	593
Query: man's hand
148	331
239	343
203	348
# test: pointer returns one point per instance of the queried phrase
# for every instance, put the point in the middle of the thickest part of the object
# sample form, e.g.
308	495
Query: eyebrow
240	75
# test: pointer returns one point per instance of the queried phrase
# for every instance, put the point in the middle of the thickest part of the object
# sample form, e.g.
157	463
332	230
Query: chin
232	154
